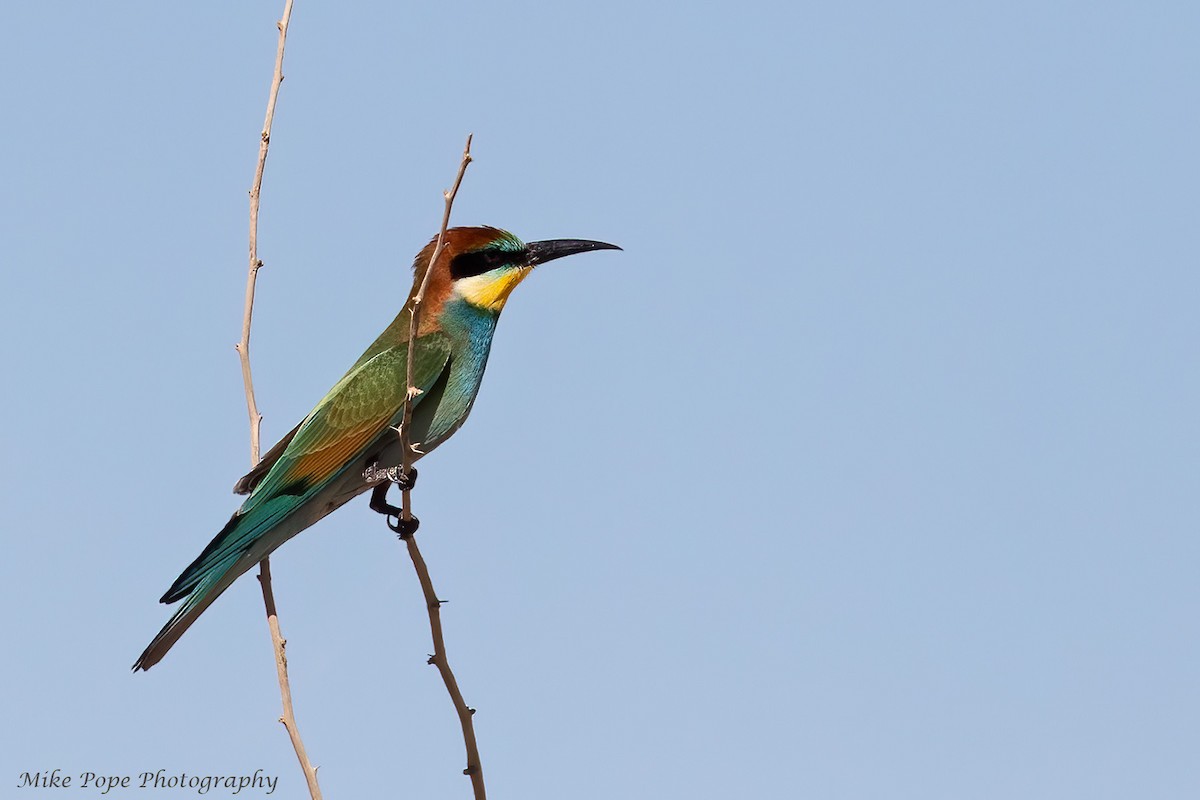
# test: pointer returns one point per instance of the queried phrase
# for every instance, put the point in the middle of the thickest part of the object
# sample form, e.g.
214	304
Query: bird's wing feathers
362	405
344	425
247	482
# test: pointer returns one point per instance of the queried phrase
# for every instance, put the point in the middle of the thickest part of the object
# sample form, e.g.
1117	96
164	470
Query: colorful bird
347	444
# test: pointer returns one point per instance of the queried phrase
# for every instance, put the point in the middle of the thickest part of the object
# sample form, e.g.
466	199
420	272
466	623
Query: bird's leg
379	503
396	475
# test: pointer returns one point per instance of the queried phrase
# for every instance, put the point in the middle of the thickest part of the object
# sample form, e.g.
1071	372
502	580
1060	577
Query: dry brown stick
406	444
432	603
474	767
243	347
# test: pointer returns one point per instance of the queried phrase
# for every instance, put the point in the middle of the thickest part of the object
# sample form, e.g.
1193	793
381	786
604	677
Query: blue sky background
868	470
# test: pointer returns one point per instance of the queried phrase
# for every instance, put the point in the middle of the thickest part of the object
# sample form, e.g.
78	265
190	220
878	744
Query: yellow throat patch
490	290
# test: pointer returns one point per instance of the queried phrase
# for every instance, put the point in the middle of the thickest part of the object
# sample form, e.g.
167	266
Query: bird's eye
466	265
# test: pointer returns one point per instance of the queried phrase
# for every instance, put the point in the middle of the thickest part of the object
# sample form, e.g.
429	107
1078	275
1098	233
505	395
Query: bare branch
243	347
432	603
288	717
474	768
406	456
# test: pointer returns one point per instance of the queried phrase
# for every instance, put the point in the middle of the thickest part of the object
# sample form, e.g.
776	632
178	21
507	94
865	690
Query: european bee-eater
348	442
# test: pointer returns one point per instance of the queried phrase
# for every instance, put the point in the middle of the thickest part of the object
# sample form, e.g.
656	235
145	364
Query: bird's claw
406	482
404	528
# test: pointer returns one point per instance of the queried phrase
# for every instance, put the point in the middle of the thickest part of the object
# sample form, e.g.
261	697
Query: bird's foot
406	481
404	527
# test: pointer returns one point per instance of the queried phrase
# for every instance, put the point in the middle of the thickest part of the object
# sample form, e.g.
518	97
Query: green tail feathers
223	560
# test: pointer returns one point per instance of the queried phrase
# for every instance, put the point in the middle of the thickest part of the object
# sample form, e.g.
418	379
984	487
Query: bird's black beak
541	252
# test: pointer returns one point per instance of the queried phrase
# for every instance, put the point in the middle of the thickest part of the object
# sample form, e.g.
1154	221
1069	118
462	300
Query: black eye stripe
465	265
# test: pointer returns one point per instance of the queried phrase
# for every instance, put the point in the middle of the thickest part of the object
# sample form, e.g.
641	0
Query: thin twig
285	688
474	767
406	444
432	603
243	347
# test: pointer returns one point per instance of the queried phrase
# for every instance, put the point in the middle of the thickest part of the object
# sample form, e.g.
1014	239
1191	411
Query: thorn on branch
409	449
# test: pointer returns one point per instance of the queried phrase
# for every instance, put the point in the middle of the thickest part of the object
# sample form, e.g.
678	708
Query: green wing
350	420
352	416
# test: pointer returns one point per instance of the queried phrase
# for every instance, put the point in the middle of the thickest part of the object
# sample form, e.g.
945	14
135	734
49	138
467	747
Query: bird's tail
261	525
239	546
199	600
